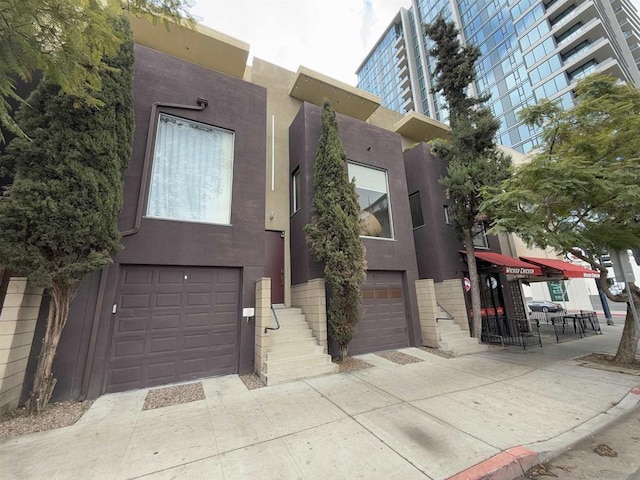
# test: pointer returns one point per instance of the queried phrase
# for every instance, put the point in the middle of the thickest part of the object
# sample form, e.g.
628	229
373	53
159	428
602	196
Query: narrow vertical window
295	191
479	236
415	205
447	220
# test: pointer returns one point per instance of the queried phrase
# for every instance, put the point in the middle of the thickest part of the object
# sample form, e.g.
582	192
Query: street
617	445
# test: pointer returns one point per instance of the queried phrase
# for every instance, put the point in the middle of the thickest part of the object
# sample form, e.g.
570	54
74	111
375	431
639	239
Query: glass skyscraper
531	50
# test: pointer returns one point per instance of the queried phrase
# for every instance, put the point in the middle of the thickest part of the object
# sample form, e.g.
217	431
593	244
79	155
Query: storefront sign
558	292
519	270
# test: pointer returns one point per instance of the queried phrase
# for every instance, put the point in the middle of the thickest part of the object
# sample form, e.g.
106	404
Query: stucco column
263	320
427	311
17	326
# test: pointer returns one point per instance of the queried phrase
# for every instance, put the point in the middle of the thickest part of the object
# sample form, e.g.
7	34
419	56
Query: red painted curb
635	391
506	465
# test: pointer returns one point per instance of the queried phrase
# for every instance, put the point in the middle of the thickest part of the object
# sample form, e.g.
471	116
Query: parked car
544	306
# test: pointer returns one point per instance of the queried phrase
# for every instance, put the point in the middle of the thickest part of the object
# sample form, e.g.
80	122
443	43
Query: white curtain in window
192	172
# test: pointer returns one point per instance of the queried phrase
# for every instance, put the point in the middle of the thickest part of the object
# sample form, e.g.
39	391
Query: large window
375	211
192	172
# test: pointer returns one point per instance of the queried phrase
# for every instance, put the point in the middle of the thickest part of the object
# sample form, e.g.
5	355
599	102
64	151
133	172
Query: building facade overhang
313	87
420	128
200	45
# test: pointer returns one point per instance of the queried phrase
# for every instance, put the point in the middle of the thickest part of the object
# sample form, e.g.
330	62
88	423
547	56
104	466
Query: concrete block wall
17	325
311	298
263	319
427	311
450	295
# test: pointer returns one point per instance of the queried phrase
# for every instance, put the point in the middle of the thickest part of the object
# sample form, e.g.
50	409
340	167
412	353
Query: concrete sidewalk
466	417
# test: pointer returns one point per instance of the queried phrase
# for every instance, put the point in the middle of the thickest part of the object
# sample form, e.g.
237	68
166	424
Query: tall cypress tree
58	220
334	232
474	163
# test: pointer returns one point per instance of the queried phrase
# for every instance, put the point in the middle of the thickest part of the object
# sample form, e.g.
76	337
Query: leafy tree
334	232
581	191
58	221
67	40
473	160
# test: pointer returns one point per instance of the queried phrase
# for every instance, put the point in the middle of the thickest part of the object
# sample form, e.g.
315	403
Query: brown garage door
384	323
173	324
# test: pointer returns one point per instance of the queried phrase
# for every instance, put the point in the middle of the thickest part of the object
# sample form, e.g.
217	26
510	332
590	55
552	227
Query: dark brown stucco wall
436	243
234	105
368	145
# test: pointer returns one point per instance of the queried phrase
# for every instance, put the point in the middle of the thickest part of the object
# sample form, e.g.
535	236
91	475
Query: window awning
509	265
568	270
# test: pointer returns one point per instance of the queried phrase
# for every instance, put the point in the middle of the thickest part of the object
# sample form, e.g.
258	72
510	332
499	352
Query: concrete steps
294	352
455	339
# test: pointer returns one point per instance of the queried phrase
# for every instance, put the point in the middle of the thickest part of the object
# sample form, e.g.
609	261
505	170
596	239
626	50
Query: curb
507	465
514	462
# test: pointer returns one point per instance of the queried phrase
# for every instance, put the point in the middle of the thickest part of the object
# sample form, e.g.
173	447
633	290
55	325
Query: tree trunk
474	279
628	346
43	381
344	349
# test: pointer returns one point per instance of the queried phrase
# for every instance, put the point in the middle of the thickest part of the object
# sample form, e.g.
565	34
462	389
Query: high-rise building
531	50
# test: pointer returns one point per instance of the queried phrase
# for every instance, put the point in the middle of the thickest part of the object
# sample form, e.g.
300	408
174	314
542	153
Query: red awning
568	270
509	265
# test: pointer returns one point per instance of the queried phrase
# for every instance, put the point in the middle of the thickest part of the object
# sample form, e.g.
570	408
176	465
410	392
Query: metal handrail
275	315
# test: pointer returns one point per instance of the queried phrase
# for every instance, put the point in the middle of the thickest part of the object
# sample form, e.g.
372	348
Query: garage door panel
130	325
165	322
174	324
222	338
194	366
127	376
164	371
196	319
384	323
167	300
226	298
196	341
135	301
382	293
198	276
163	344
197	299
138	277
130	347
170	276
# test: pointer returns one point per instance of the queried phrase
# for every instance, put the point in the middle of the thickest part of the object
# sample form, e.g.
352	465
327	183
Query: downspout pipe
201	104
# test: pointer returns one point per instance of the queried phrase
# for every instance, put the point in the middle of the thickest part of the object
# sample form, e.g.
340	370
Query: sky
329	36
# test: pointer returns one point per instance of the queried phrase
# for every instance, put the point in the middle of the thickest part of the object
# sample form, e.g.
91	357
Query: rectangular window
375	210
295	191
583	70
569	33
415	204
447	220
192	172
479	237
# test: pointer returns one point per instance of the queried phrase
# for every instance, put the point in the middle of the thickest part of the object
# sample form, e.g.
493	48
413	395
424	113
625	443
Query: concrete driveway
497	412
